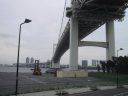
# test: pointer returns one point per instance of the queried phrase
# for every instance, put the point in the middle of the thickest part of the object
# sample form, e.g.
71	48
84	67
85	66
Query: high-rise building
32	60
84	64
94	63
27	60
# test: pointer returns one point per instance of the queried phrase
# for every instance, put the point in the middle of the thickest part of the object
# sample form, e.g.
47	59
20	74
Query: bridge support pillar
110	38
73	43
55	65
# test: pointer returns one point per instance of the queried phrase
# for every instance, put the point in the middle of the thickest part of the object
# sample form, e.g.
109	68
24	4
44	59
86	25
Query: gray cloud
37	37
6	36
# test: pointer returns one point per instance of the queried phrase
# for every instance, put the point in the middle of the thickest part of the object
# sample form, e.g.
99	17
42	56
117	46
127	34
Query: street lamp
117	80
26	21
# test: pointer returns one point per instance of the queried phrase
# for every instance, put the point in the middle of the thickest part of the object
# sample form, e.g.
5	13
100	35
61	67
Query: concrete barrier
76	73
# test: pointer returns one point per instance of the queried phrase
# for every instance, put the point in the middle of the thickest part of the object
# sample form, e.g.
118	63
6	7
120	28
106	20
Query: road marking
34	79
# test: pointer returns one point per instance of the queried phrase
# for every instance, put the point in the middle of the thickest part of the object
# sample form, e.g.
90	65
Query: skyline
37	37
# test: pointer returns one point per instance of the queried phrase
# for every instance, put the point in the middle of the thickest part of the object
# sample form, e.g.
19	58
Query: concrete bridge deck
91	15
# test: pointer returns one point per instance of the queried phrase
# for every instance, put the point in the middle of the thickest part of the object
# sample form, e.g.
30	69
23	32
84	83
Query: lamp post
117	80
17	68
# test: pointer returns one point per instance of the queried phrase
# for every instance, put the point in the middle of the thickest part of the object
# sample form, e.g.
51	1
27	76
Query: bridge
85	16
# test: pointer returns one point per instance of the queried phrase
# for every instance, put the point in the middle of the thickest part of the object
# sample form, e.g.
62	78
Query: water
21	69
27	70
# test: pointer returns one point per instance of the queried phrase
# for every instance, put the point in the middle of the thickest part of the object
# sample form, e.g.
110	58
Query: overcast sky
37	37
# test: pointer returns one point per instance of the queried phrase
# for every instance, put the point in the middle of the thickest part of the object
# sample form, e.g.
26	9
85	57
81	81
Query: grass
123	78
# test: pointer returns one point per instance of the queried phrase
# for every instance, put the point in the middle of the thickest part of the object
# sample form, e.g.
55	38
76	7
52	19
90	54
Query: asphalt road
112	92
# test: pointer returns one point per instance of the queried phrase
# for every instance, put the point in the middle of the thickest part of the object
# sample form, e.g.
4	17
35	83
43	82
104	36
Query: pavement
39	85
54	92
107	92
29	83
101	91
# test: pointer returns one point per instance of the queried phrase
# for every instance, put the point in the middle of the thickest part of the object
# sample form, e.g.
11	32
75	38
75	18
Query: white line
33	79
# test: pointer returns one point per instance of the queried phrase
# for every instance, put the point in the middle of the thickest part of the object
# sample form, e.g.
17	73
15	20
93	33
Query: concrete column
73	43
110	38
55	65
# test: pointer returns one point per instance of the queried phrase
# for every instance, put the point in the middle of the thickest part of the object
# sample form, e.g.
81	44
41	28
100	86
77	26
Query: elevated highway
91	14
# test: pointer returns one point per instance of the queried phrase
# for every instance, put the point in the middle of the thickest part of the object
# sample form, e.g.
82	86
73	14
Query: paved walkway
54	92
101	91
108	92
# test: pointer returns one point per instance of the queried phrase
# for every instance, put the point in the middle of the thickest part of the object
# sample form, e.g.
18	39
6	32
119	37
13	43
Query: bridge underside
91	15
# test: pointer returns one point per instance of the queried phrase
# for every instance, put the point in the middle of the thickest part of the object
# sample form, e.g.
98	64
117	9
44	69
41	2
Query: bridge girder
91	15
93	43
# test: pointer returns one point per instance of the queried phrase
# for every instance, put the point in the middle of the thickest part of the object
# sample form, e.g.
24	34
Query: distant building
32	60
84	64
94	63
30	63
27	60
45	64
24	65
64	66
